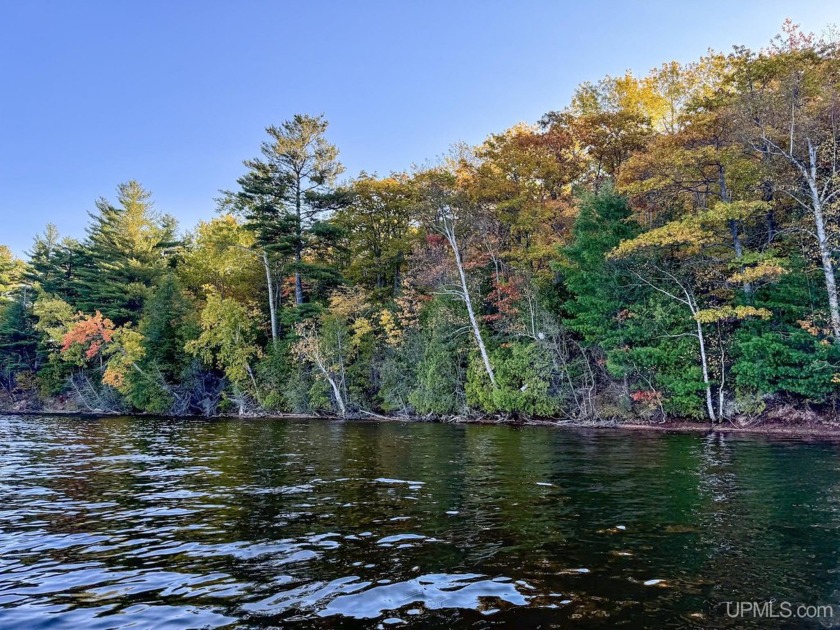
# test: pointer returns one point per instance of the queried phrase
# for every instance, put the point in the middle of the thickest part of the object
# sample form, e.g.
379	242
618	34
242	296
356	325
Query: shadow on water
124	522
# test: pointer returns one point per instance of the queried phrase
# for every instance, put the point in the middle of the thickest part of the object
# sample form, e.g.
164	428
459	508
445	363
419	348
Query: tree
220	254
697	165
333	341
167	325
11	273
790	111
53	262
377	224
18	340
85	340
450	213
523	176
684	261
123	255
228	342
281	195
438	386
596	287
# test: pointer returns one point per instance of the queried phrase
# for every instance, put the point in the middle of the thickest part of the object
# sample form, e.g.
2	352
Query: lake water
145	523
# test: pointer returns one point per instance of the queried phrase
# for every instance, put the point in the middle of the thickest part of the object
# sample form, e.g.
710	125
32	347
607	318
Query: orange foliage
89	334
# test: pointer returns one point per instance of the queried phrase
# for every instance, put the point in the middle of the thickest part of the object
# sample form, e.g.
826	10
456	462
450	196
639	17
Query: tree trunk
339	399
298	284
733	225
767	196
704	362
739	250
822	242
272	305
299	243
449	232
828	271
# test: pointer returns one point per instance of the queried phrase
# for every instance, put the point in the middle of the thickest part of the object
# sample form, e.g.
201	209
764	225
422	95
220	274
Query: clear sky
176	93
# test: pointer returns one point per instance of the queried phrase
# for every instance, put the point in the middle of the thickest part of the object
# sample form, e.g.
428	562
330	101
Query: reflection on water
130	522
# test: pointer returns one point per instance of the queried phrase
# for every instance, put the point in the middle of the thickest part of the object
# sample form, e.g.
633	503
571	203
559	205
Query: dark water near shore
141	523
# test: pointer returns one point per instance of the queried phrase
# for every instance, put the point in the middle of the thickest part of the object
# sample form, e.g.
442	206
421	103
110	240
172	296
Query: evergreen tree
53	263
283	196
169	321
597	286
18	339
123	255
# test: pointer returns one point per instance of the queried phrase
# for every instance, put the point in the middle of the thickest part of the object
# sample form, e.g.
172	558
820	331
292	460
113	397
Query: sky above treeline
177	94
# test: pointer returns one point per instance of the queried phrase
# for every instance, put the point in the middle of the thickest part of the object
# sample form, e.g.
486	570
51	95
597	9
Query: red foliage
504	298
435	240
646	396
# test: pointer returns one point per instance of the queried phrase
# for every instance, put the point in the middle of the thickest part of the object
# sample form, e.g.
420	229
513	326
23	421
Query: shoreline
769	427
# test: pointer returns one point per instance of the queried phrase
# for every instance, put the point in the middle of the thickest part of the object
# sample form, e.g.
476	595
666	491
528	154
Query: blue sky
177	93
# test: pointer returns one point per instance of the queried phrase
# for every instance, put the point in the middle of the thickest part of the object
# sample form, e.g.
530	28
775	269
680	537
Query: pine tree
169	321
122	256
597	286
53	263
283	197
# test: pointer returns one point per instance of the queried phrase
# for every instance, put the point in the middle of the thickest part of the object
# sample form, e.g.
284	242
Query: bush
523	381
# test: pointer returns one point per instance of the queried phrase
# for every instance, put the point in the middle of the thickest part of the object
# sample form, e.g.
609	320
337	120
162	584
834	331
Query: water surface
138	522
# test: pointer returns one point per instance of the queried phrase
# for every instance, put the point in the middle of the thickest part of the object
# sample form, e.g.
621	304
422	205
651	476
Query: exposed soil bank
799	426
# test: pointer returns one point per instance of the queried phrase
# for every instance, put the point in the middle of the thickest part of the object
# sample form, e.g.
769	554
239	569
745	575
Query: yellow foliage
767	271
736	210
125	350
348	303
688	232
388	323
712	315
361	327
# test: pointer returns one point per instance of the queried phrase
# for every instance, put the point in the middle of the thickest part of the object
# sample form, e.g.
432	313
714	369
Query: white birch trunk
449	233
339	399
272	305
822	243
704	364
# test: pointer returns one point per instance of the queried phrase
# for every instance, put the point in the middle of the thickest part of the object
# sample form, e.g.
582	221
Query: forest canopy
664	245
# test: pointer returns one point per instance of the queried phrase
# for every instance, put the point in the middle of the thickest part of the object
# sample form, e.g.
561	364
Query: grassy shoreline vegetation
662	247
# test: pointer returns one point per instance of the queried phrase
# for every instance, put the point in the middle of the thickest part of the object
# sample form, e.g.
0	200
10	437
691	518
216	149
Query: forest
664	246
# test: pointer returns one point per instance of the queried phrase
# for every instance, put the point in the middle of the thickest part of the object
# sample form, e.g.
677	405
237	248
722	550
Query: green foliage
662	355
220	254
275	373
439	388
398	373
11	273
523	382
122	256
598	286
601	291
168	323
789	361
227	340
19	340
377	225
53	263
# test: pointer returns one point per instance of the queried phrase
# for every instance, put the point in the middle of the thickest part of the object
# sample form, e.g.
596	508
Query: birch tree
449	212
684	261
790	112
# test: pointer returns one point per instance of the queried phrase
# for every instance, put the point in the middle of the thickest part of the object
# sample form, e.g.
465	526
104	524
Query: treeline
663	246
